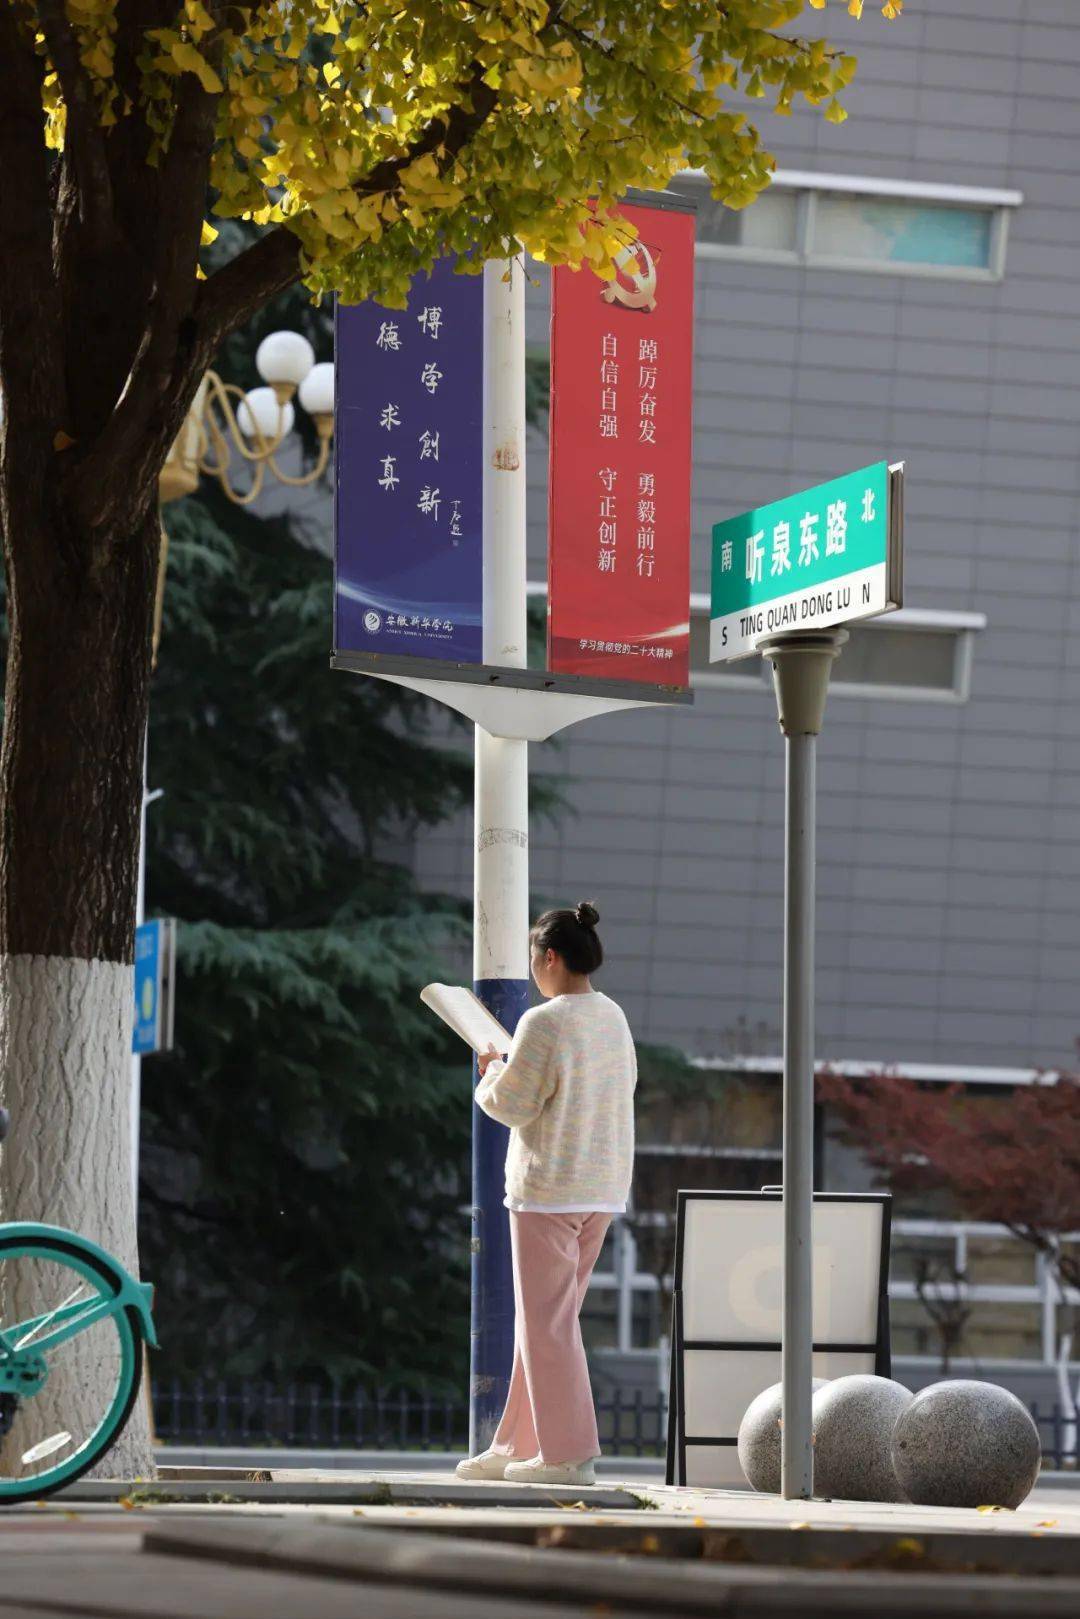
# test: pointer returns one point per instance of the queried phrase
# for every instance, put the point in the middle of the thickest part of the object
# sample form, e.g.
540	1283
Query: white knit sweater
567	1092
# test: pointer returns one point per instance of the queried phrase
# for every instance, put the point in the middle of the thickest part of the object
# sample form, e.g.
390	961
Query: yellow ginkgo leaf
189	60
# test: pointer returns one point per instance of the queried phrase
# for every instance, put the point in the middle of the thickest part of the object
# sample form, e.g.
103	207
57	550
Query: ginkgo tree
365	140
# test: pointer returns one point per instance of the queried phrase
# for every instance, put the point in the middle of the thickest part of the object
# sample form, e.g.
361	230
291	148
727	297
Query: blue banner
409	472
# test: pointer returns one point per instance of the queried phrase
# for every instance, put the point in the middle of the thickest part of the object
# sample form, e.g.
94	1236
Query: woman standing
566	1090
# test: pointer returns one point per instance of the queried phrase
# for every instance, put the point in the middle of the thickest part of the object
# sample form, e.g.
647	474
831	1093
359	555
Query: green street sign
827	556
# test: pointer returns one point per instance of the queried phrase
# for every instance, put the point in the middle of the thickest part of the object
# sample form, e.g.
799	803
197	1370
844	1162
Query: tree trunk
71	782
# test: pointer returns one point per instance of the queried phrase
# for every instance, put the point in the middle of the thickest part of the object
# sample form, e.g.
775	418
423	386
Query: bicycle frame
70	1319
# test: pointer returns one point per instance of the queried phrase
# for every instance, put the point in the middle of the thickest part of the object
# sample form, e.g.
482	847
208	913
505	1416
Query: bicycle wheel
70	1364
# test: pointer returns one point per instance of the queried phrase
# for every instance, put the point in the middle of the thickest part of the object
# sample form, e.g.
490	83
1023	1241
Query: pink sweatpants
549	1409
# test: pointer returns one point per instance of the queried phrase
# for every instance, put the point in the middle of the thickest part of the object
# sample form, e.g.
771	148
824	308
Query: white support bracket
523	705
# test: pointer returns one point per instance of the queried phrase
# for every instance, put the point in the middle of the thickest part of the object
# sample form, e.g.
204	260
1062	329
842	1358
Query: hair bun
587	914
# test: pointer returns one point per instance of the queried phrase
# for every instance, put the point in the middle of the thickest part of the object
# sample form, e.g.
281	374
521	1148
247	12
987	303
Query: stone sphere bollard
854	1418
966	1444
760	1437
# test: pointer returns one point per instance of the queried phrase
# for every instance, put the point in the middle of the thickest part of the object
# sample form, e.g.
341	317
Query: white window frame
810	185
925	1073
1041	1295
965	627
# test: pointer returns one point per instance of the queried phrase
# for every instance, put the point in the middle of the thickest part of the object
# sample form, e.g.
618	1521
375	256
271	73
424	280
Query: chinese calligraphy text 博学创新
632	507
392	340
808	539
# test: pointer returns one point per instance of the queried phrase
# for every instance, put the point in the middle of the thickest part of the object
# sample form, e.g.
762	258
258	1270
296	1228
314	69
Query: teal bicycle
77	1309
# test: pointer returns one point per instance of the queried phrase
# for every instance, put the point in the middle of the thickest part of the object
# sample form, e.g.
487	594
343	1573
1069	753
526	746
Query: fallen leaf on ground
993	1509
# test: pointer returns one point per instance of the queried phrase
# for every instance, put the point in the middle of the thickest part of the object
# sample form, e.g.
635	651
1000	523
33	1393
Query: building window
771	225
884	231
839	222
917	655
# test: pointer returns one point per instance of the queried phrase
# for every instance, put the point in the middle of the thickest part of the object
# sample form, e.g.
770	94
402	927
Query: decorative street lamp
224	422
226	426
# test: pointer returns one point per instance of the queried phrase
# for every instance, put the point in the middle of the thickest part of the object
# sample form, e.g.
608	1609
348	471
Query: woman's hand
484	1058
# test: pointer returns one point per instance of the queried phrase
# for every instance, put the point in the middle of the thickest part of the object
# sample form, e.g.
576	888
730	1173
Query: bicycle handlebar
5	1122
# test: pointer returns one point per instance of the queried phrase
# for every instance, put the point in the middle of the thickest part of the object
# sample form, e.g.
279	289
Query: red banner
621	447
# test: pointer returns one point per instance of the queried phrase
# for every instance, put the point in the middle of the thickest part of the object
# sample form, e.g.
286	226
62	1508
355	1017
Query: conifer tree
305	1148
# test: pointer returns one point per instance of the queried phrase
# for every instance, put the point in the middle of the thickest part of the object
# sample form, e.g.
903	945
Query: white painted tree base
65	1077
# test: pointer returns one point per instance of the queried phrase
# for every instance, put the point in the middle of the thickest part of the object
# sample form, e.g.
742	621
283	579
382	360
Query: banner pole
501	848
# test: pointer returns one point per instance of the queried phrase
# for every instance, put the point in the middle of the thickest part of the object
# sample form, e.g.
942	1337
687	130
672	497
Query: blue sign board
152	1027
409	472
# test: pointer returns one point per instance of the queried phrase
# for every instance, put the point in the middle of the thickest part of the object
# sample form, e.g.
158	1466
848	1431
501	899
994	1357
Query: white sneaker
487	1465
537	1471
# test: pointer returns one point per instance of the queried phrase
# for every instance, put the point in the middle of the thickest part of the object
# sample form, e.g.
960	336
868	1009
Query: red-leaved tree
1013	1160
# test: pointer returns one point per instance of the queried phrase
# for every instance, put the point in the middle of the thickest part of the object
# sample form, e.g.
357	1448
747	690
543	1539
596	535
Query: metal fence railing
309	1416
1060	1445
312	1416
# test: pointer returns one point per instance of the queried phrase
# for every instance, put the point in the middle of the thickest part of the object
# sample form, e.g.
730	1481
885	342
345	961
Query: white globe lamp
261	413
317	396
283	360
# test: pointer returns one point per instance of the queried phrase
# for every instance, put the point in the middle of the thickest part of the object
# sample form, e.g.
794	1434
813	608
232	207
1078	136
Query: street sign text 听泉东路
826	556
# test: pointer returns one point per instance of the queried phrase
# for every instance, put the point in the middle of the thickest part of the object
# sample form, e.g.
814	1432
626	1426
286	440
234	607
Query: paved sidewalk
262	1561
287	1542
1043	1536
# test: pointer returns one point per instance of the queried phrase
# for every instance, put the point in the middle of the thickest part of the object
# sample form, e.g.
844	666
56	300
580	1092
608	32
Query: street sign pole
784	577
801	667
501	849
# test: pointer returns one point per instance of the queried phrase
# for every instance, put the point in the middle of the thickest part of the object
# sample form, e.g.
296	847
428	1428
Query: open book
467	1015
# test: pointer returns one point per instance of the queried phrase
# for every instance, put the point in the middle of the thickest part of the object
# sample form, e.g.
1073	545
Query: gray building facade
908	289
933	316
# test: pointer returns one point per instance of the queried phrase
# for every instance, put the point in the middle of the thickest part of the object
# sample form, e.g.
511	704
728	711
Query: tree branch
164	372
187	322
240	288
83	141
30	362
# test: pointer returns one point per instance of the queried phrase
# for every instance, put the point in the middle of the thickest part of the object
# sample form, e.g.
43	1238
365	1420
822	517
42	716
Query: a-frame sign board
726	1313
